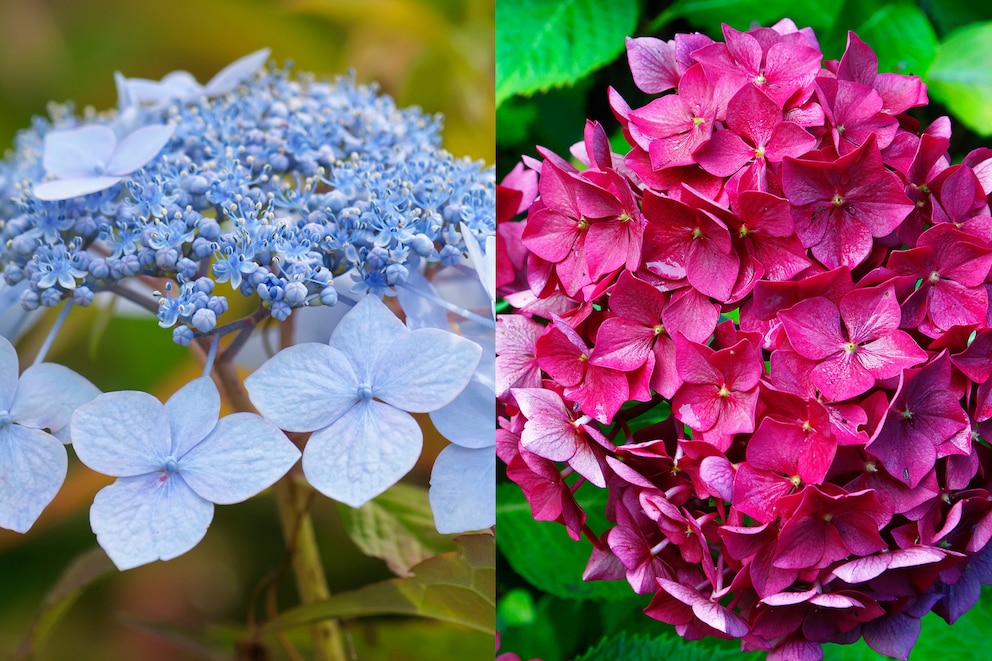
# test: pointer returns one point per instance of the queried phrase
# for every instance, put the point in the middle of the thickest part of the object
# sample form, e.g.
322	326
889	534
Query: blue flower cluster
270	183
272	186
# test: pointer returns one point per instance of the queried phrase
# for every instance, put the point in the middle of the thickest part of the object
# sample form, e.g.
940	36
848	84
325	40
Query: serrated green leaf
743	14
458	586
542	44
960	76
397	527
83	571
543	553
623	648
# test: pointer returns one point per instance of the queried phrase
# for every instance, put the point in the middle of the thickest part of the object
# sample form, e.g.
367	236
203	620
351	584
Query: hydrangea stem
293	501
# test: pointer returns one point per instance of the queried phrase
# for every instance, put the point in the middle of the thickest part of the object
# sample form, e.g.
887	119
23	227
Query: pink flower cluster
788	261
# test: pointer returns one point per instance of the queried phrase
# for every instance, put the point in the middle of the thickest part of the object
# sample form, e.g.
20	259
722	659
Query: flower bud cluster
270	183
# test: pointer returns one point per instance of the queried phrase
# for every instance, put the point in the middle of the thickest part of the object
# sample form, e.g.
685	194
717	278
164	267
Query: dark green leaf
397	527
459	587
743	14
542	44
949	15
543	553
960	76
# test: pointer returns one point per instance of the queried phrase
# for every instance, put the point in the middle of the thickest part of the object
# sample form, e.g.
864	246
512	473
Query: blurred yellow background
437	54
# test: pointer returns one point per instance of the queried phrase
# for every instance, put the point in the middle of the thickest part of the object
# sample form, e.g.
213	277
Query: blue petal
32	469
468	419
139	147
47	395
463	489
192	411
149	517
241	457
80	152
176	85
484	263
304	387
420	311
362	454
231	76
364	334
122	434
8	373
65	189
425	369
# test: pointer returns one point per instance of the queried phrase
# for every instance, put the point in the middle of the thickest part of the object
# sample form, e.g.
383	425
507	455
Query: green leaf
960	76
622	648
397	527
458	586
542	44
949	15
83	571
742	14
557	567
899	32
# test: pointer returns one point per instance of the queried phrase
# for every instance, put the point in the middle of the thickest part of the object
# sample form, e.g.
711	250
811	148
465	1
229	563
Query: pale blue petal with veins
33	462
174	461
361	446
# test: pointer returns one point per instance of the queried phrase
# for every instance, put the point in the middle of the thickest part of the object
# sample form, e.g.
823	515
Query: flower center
5	418
171	465
838	200
851	347
760	79
759	152
659	329
365	392
723	391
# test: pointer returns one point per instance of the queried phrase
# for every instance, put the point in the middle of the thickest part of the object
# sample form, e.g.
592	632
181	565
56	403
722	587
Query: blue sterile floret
258	171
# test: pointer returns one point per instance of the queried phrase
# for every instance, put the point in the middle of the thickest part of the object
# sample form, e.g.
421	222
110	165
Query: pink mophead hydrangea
789	263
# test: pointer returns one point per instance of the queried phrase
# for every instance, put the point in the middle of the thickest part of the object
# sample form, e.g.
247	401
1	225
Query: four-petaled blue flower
89	159
354	394
33	462
173	463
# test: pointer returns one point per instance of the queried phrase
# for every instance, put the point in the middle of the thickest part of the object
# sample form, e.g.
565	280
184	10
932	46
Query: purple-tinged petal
463	492
33	466
192	411
365	451
243	455
892	635
304	387
138	148
79	152
123	434
149	517
652	64
424	369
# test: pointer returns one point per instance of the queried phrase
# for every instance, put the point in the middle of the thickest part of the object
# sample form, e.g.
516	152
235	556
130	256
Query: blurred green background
437	54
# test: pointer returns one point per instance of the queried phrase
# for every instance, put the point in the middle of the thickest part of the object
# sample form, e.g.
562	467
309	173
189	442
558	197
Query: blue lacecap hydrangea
273	185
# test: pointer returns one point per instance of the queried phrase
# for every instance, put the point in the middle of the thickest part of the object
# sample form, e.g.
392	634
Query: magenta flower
720	389
827	527
854	344
924	421
838	207
670	128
